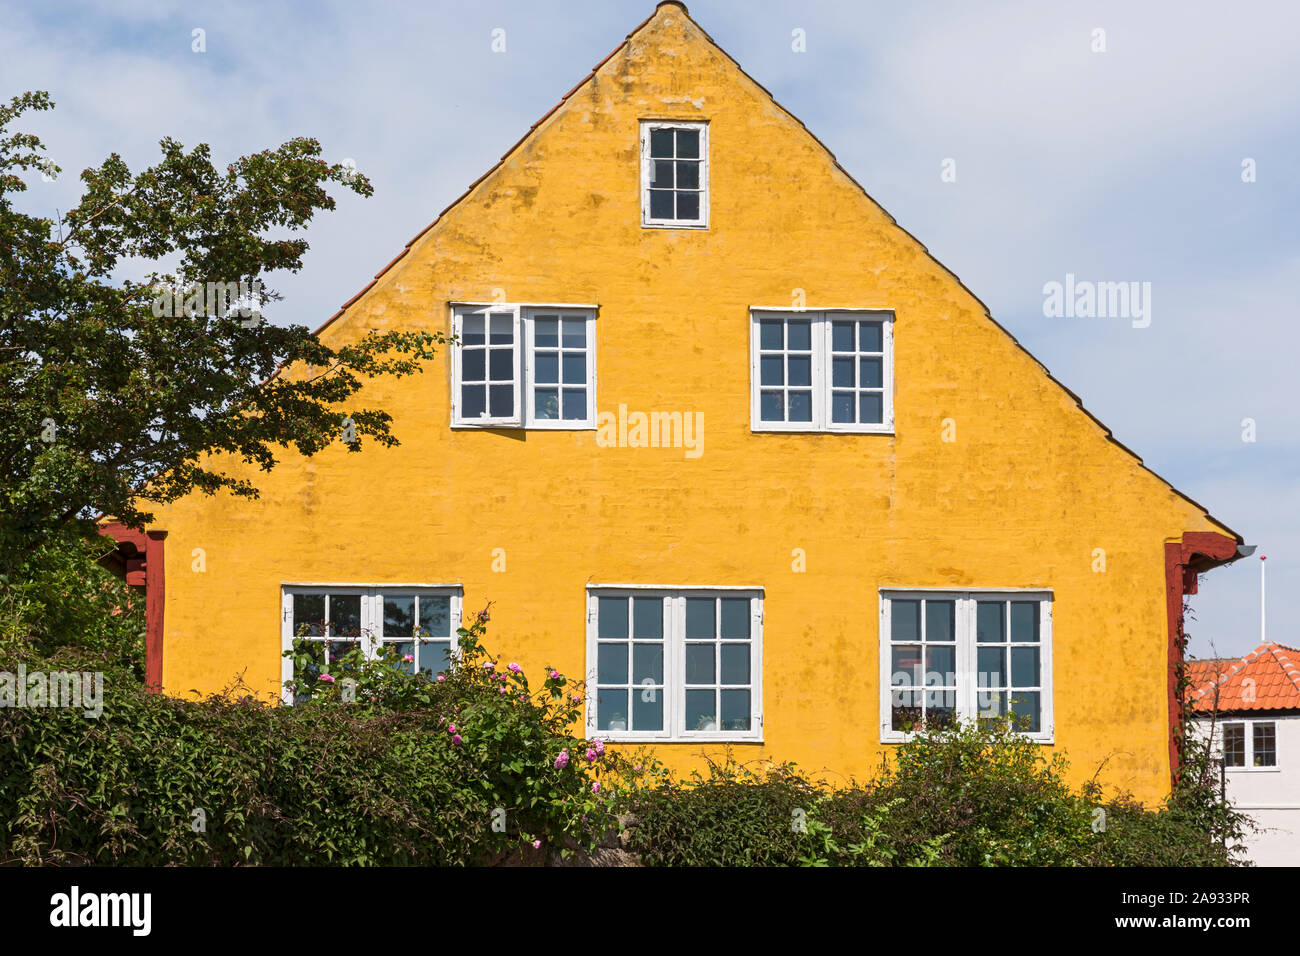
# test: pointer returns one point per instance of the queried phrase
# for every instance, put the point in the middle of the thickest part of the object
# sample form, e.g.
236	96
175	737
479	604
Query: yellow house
724	438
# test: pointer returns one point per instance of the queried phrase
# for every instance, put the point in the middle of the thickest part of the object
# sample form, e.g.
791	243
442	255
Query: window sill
698	226
613	737
510	427
1274	769
897	738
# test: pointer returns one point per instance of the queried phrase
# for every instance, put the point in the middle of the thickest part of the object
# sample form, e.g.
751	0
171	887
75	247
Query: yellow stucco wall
1022	498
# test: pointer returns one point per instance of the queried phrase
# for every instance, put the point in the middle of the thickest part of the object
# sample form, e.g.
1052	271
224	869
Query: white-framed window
948	656
674	663
674	174
419	621
822	370
1249	744
524	366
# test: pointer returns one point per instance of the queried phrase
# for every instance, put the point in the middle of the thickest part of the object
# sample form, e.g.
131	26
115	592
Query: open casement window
524	366
674	664
949	656
415	621
822	371
674	174
1249	744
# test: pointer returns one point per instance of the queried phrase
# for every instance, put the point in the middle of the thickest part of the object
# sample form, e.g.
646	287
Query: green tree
116	389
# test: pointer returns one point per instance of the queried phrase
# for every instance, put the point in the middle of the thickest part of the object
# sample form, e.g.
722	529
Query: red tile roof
1268	678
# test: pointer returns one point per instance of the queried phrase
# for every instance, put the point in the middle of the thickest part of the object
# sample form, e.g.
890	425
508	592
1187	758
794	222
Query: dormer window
674	175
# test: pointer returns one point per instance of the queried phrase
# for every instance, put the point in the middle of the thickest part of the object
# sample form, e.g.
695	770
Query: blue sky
1122	165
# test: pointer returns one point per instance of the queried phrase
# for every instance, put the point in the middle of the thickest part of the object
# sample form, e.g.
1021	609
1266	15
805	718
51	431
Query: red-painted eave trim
154	580
1198	551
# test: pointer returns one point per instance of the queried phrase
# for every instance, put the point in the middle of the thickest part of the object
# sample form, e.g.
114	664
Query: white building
1253	704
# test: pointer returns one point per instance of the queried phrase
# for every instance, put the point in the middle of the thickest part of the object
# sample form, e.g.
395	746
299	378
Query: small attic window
674	175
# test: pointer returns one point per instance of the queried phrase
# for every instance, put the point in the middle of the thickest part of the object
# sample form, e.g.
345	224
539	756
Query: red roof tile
1268	678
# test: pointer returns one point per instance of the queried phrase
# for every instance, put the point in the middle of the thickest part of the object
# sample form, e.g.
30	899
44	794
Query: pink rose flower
326	678
409	658
555	675
515	667
591	755
451	728
595	787
487	665
562	760
455	738
441	678
599	746
537	844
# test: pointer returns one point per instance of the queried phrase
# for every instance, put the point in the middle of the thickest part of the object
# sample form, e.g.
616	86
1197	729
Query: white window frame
822	320
674	603
523	316
372	616
967	656
1248	724
650	222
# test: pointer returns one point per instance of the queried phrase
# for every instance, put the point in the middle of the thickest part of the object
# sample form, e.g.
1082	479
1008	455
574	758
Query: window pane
772	406
399	616
688	206
1024	667
940	621
548	368
800	406
648	709
661	204
1265	745
1025	705
501	365
345	615
435	616
773	370
575	404
905	620
611	617
905	713
575	333
842	336
940	665
688	175
735	663
769	334
871	408
800	370
688	143
501	329
842	407
870	338
647	663
800	336
473	400
661	176
1024	621
842	372
575	369
1234	745
473	365
990	704
546	404
545	331
735	618
309	610
871	373
472	330
648	618
661	142
735	710
611	708
699	663
611	666
502	398
701	710
434	657
337	649
906	662
940	708
988	622
992	667
699	618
